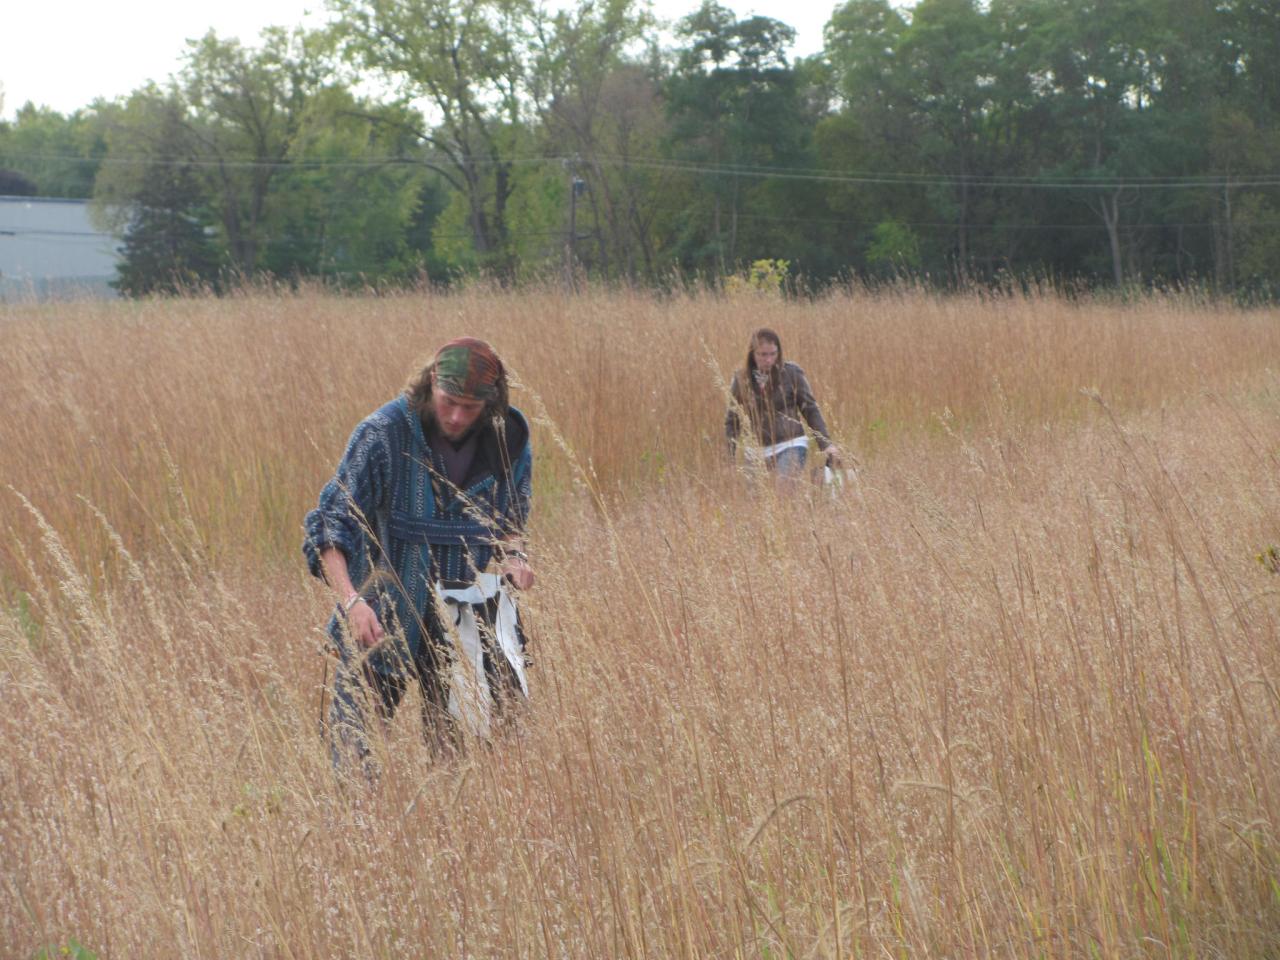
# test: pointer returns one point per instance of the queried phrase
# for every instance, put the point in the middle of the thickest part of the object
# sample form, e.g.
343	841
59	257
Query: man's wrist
351	600
512	549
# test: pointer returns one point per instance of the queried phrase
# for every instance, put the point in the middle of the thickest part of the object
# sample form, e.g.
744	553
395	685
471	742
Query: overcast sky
65	53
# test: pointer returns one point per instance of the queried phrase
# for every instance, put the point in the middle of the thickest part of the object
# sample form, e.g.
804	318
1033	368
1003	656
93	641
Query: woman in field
778	403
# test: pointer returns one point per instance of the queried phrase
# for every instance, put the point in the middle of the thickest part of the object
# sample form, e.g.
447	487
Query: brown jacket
778	412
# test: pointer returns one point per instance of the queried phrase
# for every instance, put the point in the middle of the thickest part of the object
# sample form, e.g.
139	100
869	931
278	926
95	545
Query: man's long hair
418	393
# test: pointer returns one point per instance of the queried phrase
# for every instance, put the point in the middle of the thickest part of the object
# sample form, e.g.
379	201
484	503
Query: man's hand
518	571
363	624
361	620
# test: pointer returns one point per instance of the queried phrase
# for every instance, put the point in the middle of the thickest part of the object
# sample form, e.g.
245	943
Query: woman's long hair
746	376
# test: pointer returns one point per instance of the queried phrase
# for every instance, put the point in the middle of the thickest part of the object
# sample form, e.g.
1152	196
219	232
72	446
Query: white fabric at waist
765	453
485	588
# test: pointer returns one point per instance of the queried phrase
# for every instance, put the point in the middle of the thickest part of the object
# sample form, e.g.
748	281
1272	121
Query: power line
20	232
1011	227
1215	182
284	240
270	238
662	164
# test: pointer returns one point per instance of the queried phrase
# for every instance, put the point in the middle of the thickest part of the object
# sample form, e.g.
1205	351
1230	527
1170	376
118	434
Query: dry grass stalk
1012	693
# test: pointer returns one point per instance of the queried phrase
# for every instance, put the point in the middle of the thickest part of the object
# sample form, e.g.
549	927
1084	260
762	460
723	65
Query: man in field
420	536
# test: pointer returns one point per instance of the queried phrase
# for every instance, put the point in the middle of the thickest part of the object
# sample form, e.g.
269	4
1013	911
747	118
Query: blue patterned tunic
402	526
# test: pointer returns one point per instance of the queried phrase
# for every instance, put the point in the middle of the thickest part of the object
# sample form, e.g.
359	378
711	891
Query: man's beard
431	418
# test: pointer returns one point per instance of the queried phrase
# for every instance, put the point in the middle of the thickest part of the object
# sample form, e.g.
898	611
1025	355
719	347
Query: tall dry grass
1011	692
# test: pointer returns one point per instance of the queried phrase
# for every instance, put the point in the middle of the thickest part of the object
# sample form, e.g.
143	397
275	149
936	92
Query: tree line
1079	141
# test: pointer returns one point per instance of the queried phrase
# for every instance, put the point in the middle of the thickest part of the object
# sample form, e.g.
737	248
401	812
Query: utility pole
576	186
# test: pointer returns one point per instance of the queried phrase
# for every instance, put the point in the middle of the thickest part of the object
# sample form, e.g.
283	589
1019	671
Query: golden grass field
1011	692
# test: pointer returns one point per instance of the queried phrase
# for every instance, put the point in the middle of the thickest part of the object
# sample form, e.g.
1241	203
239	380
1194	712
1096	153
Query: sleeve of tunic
808	408
350	500
521	494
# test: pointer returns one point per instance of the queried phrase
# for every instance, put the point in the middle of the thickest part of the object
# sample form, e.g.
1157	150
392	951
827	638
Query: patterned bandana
468	369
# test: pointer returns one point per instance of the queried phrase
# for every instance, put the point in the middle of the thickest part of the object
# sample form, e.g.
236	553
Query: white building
49	249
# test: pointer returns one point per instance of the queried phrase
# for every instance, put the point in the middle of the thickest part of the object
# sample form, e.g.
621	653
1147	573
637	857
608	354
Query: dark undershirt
458	457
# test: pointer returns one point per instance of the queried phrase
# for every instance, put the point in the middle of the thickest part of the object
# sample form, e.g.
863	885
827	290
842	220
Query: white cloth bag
470	698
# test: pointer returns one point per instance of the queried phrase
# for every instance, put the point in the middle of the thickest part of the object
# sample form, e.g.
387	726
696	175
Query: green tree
872	131
600	105
467	60
923	101
862	42
343	206
1242	47
894	248
246	109
166	247
296	174
59	154
950	51
1092	63
1038	128
735	108
154	196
